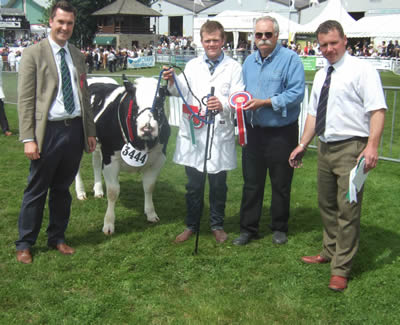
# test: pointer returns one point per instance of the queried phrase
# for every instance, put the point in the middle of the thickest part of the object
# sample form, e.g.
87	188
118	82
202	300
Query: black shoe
243	239
279	237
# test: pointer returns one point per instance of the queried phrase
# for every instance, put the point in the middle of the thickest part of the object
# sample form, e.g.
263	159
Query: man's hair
272	20
211	26
328	26
63	5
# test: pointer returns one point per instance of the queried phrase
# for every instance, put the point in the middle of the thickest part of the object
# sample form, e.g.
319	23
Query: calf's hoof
108	229
81	196
153	219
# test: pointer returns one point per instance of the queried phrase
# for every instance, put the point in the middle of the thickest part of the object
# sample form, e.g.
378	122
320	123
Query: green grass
138	276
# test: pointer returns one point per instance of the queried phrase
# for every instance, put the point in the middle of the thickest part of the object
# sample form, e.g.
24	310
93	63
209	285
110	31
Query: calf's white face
147	126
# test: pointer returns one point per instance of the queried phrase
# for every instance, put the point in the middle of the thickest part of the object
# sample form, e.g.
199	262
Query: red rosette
237	101
239	97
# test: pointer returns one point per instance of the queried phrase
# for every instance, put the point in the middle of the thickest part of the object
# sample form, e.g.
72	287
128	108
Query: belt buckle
68	122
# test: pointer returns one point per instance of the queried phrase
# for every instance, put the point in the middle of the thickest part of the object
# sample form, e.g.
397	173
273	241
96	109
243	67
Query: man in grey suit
55	125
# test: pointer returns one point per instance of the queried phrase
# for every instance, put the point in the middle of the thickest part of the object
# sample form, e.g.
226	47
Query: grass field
138	276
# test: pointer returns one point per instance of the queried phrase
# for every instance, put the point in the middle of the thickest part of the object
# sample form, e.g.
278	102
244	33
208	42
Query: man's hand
168	74
214	104
371	158
296	157
31	150
256	103
92	144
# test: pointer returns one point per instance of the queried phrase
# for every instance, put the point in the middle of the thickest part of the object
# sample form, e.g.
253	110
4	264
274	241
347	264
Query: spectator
390	49
11	60
3	117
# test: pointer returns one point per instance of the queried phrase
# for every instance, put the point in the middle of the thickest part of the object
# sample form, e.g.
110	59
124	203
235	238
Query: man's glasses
266	34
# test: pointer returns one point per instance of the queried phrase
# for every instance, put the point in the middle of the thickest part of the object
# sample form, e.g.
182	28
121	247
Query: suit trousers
340	218
268	149
53	172
195	198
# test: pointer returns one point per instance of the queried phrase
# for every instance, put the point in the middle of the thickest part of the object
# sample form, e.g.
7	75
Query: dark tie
211	65
322	104
66	84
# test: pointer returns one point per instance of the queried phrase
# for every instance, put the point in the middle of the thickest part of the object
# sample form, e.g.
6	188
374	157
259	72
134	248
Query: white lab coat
227	79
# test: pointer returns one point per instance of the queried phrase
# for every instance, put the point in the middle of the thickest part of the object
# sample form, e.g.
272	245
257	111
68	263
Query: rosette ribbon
237	100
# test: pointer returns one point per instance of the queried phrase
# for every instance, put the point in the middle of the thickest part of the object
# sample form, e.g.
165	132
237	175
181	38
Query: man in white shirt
347	112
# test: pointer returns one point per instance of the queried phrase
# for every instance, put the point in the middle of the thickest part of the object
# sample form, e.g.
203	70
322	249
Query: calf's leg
149	181
111	173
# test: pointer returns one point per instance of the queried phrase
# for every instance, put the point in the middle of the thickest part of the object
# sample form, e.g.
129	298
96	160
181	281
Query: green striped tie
66	84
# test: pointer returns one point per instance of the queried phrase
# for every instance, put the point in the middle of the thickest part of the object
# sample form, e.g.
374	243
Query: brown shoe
220	235
338	283
317	259
64	249
183	236
24	256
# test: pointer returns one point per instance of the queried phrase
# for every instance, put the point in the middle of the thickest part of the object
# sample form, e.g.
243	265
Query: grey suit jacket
37	89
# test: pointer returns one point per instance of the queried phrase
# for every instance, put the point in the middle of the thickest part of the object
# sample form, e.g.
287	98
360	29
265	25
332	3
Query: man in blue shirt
274	76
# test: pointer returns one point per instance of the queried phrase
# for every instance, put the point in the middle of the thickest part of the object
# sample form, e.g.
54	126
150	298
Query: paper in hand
356	180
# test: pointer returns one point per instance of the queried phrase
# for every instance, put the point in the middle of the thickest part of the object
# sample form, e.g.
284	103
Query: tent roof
126	7
387	26
191	6
299	4
332	11
243	21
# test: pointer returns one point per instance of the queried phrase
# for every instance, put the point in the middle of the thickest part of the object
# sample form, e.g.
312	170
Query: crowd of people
103	58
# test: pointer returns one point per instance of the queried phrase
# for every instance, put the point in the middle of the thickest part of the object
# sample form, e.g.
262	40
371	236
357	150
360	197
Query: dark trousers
3	118
53	172
268	149
195	198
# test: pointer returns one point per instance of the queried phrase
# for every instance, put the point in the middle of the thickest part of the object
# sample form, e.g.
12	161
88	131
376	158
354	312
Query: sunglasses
266	34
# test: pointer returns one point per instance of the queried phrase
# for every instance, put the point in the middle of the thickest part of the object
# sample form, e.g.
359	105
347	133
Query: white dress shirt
57	111
355	91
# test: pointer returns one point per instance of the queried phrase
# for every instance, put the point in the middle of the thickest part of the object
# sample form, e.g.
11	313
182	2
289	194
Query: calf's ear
128	85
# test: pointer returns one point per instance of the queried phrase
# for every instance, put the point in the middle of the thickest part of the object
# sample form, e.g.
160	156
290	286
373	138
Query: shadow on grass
378	247
129	211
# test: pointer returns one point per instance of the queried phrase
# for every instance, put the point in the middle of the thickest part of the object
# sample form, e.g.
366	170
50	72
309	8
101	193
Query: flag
199	2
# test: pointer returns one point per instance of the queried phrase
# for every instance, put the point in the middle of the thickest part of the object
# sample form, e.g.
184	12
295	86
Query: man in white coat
213	69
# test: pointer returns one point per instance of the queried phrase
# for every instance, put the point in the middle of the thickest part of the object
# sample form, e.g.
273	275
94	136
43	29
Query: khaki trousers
340	218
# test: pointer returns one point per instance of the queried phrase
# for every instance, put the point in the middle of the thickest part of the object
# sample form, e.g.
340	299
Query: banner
309	62
141	62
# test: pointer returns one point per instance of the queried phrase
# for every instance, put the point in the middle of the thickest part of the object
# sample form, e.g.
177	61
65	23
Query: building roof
194	7
12	12
126	7
40	3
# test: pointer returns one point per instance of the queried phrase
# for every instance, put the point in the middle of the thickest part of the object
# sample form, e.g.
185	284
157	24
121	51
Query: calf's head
147	124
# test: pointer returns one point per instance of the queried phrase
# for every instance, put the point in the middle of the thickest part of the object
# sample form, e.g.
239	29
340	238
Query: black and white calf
132	132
